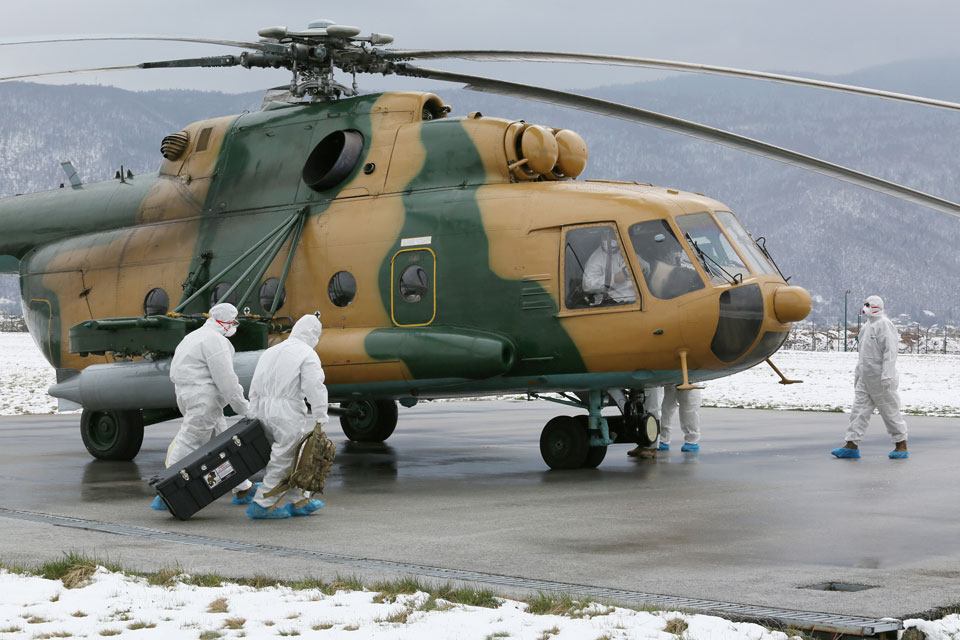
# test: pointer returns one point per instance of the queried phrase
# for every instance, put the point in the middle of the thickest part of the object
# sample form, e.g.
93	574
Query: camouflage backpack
310	469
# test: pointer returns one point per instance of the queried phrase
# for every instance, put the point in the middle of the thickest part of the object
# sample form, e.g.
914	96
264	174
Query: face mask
229	328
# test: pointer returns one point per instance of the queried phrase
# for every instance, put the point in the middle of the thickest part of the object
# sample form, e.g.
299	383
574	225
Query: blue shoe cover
305	510
257	512
843	452
663	447
690	448
898	455
247	499
158	504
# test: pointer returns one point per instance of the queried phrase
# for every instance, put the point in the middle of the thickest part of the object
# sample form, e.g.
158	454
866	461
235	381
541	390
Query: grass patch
471	597
552	604
217	606
140	624
204	580
676	626
234	623
11	629
78	614
388	591
110	632
288	632
164	577
74	569
36	620
497	634
342	583
351	628
323	626
53	634
55	597
209	635
548	632
399	616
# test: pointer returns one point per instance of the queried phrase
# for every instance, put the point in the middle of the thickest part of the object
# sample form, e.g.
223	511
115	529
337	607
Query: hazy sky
816	36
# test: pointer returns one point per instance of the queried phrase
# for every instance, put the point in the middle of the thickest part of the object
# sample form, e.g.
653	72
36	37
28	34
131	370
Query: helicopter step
580	442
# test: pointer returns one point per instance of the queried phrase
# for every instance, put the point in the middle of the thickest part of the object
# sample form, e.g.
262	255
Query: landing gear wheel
112	435
564	443
370	420
595	455
648	432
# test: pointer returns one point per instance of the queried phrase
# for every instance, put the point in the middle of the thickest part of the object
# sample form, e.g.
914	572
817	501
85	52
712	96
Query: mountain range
827	235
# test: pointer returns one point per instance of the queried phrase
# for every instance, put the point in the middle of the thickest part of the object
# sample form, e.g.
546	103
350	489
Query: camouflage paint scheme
494	321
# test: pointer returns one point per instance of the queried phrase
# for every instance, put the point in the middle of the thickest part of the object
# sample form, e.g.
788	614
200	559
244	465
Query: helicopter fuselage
437	272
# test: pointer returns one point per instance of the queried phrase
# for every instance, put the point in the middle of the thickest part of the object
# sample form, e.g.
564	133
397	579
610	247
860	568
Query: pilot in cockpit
666	268
606	276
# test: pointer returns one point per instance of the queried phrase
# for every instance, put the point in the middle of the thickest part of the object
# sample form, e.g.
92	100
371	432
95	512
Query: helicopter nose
791	304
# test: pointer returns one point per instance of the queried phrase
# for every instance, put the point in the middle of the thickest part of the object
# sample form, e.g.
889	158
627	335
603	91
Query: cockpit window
745	243
596	273
712	248
665	265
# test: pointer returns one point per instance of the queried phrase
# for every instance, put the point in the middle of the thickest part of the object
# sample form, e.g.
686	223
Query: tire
564	443
112	435
595	455
375	423
648	431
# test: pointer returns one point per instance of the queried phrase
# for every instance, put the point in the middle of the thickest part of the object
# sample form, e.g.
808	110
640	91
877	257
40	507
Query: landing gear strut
581	442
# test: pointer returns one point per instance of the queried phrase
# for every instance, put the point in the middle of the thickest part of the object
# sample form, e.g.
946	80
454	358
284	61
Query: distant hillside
828	235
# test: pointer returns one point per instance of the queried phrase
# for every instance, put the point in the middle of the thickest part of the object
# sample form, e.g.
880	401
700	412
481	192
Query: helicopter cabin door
413	292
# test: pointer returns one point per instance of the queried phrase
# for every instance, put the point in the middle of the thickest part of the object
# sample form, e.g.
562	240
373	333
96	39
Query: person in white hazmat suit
205	382
605	276
286	374
688	401
875	383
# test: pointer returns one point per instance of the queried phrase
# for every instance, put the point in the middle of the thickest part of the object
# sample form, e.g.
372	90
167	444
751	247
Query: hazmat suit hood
873	308
307	330
222	317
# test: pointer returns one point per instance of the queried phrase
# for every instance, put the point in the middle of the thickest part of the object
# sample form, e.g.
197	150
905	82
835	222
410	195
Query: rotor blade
68	71
259	46
625	61
676	125
212	61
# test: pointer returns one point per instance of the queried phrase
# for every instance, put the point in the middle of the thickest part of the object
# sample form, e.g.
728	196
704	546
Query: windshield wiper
761	242
723	273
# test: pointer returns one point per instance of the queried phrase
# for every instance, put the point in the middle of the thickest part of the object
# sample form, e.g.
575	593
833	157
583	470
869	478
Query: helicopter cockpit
597	267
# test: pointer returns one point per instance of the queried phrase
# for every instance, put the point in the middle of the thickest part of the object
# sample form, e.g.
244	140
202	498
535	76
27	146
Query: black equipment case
214	469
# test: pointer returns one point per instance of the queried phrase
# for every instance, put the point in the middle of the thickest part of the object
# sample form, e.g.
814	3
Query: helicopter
447	256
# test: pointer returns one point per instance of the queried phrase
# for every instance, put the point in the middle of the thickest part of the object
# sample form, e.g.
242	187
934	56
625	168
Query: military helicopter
447	256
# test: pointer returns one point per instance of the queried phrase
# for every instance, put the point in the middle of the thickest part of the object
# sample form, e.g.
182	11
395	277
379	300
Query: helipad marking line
853	625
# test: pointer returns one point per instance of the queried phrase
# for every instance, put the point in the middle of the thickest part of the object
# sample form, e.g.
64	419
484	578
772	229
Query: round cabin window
342	288
333	159
216	296
157	303
268	292
413	283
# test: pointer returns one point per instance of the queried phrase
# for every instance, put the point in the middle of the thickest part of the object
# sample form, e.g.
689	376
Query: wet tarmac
762	511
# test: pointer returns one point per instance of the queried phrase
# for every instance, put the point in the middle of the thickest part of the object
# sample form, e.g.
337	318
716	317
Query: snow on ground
929	383
24	376
113	604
